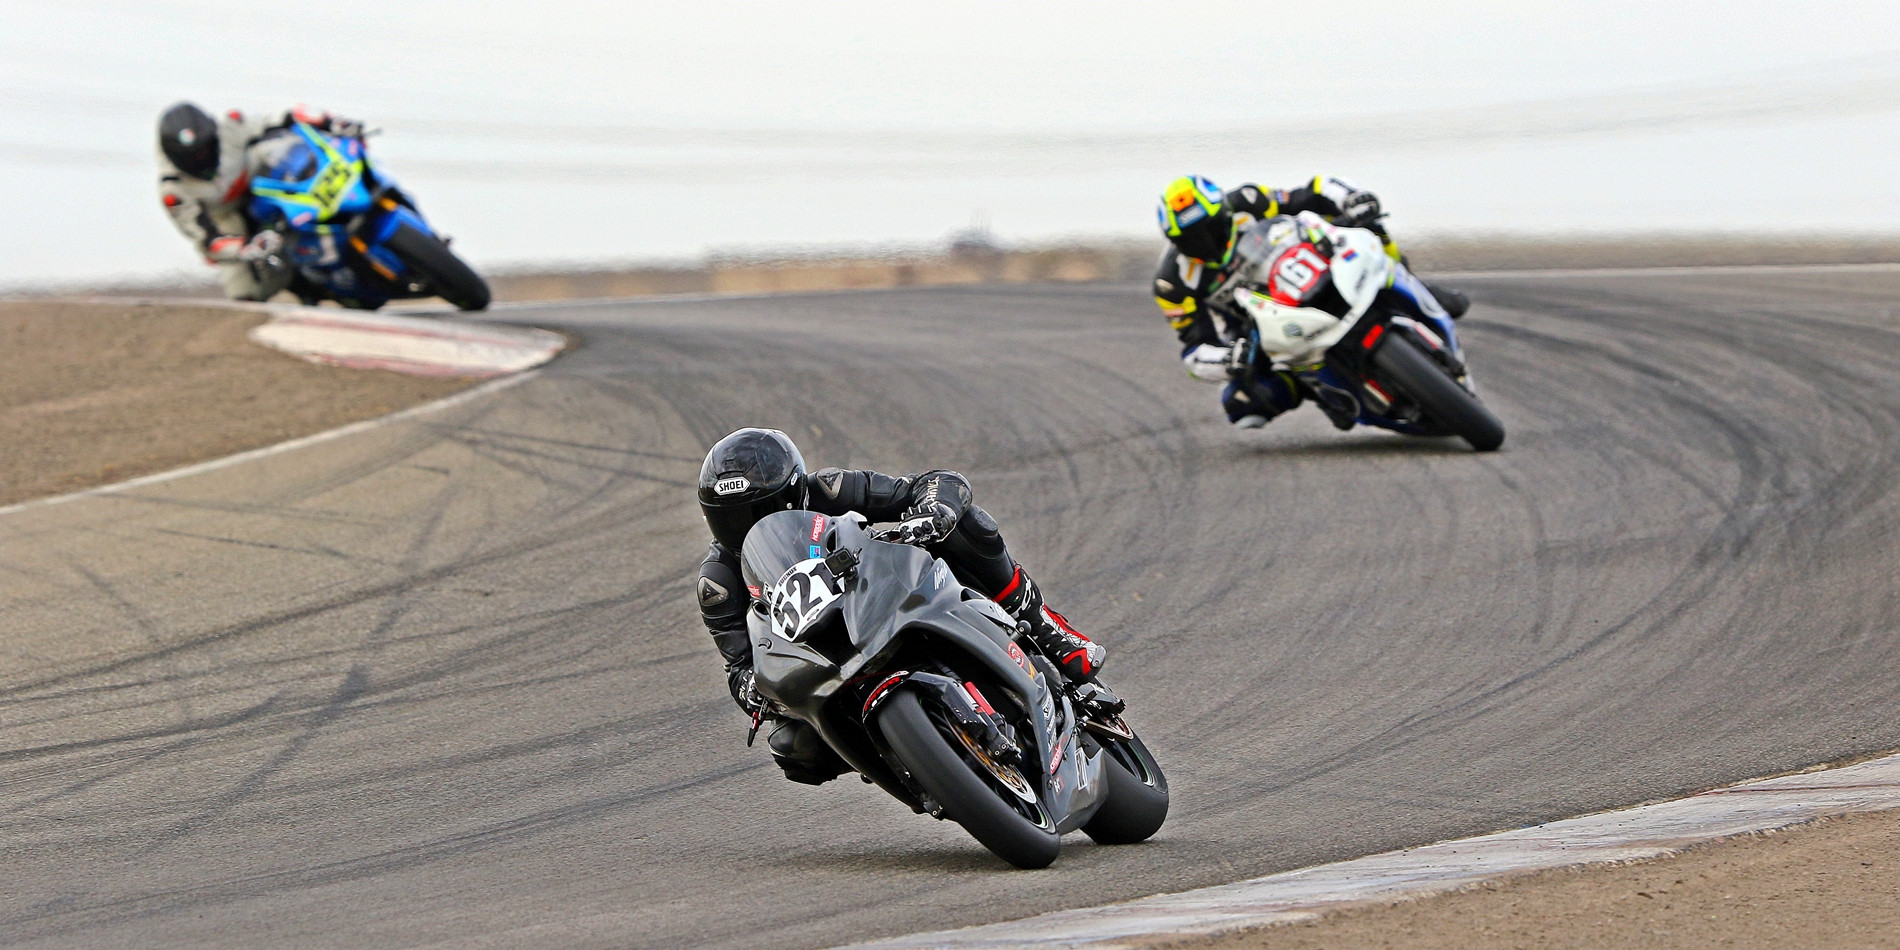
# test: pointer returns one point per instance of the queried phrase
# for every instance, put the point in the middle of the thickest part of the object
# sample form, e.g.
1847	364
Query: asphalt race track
442	683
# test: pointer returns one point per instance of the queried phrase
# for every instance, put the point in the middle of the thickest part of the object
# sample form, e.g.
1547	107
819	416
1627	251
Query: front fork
962	700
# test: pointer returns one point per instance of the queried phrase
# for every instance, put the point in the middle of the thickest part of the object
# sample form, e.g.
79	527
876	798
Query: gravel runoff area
93	393
1832	883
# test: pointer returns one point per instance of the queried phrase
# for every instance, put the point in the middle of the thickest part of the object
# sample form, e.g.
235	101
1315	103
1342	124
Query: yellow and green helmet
1195	217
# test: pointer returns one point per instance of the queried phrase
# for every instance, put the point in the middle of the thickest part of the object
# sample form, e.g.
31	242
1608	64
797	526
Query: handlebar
895	534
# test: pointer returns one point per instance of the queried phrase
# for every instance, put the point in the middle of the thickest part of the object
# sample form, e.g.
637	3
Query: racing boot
1454	301
1342	418
1078	657
1253	401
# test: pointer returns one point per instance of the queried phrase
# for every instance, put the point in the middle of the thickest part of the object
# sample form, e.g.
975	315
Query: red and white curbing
418	346
1646	831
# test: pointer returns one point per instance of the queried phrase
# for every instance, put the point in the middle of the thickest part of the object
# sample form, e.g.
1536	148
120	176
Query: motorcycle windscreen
777	543
299	163
1257	240
888	577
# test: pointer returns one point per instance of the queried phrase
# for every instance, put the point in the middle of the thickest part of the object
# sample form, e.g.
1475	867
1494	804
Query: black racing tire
1446	403
1137	800
967	798
438	267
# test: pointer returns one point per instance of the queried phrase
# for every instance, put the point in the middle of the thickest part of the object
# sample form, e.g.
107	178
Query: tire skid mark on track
66	914
1741	526
350	687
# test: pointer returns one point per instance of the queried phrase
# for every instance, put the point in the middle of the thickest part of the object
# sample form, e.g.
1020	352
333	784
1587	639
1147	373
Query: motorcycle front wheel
444	273
1017	830
1137	800
1446	403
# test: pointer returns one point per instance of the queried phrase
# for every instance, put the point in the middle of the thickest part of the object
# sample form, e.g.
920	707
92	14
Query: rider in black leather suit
754	472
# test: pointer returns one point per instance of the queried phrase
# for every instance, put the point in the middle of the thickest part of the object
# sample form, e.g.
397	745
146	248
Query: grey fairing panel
904	591
931	602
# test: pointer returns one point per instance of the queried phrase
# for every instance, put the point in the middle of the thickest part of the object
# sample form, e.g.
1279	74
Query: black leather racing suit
974	550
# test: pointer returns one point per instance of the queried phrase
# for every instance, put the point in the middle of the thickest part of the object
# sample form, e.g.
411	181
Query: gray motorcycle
919	684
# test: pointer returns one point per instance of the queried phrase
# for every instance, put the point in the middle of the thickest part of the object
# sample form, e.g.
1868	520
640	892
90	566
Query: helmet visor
1207	239
729	523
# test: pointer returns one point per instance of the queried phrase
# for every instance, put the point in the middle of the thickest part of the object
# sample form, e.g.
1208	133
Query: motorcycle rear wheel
446	275
962	787
1444	401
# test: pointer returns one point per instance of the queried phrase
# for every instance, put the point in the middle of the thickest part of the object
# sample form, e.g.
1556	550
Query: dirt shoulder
1834	883
95	393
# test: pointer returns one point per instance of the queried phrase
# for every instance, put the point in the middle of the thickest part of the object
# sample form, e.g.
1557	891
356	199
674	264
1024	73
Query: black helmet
189	137
748	475
1195	217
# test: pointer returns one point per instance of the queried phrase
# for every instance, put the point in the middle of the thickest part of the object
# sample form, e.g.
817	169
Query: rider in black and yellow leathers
1201	223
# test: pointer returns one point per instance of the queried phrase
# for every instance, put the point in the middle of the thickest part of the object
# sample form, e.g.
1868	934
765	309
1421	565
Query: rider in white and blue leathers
204	181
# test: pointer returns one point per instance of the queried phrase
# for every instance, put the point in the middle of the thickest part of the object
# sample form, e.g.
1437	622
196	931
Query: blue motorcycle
350	234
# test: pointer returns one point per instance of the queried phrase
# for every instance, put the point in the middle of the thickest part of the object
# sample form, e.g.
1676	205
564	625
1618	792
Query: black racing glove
1358	210
925	524
746	691
1240	358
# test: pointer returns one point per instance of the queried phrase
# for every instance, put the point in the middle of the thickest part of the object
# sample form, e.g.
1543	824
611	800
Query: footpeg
1098	700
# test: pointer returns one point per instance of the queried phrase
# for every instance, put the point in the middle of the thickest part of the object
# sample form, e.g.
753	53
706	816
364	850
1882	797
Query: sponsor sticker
1016	653
817	527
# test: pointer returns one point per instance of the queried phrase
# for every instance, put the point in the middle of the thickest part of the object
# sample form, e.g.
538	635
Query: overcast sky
596	130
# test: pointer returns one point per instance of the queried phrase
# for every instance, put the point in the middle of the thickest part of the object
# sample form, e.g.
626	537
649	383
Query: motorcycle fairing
1294	335
901	592
315	180
1324	349
337	214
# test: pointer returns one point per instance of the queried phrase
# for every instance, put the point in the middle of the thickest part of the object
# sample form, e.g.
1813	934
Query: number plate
1296	273
800	598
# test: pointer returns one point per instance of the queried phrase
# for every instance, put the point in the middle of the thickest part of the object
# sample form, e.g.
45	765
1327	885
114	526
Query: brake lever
758	718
